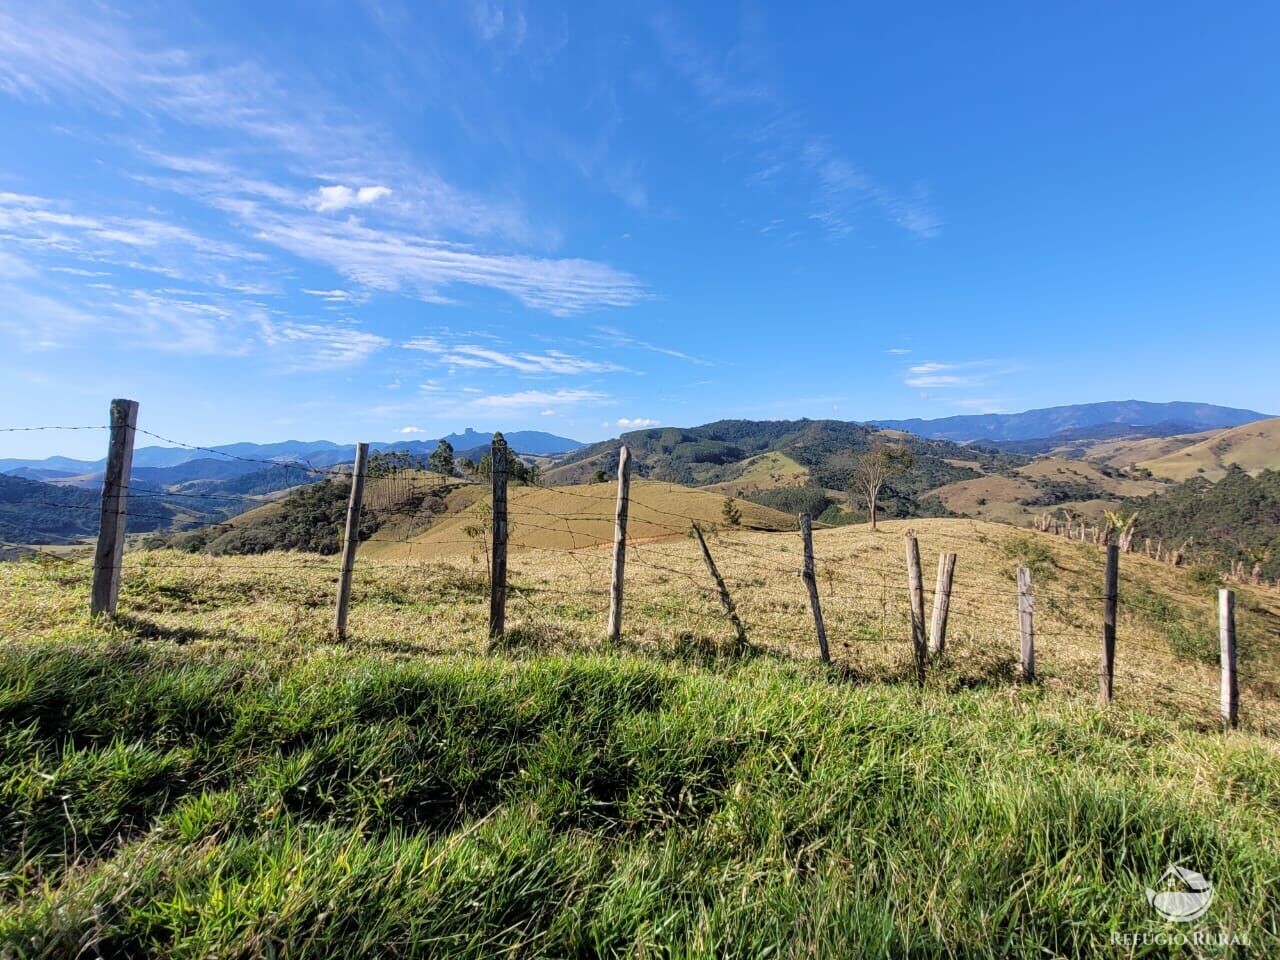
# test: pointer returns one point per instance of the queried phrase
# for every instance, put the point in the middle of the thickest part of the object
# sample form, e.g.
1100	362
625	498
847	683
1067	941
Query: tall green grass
155	803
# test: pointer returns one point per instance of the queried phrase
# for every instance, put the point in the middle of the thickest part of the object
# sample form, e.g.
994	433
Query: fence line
847	606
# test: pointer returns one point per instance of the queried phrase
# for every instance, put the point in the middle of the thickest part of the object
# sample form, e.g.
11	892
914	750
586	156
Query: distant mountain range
1079	421
169	465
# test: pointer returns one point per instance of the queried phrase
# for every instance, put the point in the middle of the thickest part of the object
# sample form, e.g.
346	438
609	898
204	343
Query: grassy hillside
1046	483
721	452
1126	453
1253	447
765	472
210	776
568	518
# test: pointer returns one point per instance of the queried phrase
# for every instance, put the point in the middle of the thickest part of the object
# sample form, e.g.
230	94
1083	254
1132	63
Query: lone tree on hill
873	468
441	460
729	510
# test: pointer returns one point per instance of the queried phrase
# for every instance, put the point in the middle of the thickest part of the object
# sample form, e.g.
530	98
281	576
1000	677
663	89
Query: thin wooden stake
1230	703
811	583
941	603
350	540
916	583
1026	625
498	568
619	543
109	553
726	601
1107	662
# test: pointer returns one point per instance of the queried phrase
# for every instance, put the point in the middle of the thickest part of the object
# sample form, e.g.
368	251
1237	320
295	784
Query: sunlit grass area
211	775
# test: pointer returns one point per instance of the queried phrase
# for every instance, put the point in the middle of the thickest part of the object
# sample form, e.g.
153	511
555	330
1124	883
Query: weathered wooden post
915	581
941	603
811	584
1111	596
726	601
109	553
619	543
1230	700
350	539
499	463
1026	626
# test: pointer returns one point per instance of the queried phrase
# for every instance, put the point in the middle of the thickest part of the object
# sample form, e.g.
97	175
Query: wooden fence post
1107	662
109	552
941	603
498	568
811	583
1026	625
619	543
350	539
726	601
916	583
1230	702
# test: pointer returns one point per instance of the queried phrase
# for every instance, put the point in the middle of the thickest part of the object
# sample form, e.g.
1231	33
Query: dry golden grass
1129	452
1078	471
564	518
433	602
1254	446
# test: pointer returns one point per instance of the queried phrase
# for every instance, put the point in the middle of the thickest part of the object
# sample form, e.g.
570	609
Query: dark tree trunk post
619	544
109	552
350	540
498	567
811	584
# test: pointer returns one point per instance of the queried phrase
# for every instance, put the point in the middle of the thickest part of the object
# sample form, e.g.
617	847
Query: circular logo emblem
1185	897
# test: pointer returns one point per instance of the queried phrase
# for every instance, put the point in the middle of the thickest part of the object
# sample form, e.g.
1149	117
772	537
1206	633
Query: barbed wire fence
582	569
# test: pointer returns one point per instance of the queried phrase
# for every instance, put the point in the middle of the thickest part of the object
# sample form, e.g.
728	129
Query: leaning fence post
941	603
1107	663
350	540
811	583
1230	703
916	584
619	543
109	553
498	459
726	601
1026	624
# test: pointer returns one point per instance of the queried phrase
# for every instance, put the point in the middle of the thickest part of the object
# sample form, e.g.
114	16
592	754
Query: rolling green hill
728	454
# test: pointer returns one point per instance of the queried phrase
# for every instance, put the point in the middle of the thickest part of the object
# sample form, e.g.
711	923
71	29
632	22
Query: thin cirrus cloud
424	243
633	423
525	399
947	375
475	356
780	141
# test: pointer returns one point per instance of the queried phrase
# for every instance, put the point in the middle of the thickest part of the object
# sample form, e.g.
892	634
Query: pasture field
211	775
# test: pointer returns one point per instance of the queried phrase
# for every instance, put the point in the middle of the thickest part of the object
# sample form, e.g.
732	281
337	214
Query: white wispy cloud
634	423
618	338
320	347
424	243
969	373
476	356
538	398
411	430
338	197
782	140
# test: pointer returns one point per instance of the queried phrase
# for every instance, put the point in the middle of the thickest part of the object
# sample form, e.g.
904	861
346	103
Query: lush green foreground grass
153	803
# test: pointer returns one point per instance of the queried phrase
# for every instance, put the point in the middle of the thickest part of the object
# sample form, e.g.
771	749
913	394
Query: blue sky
364	221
